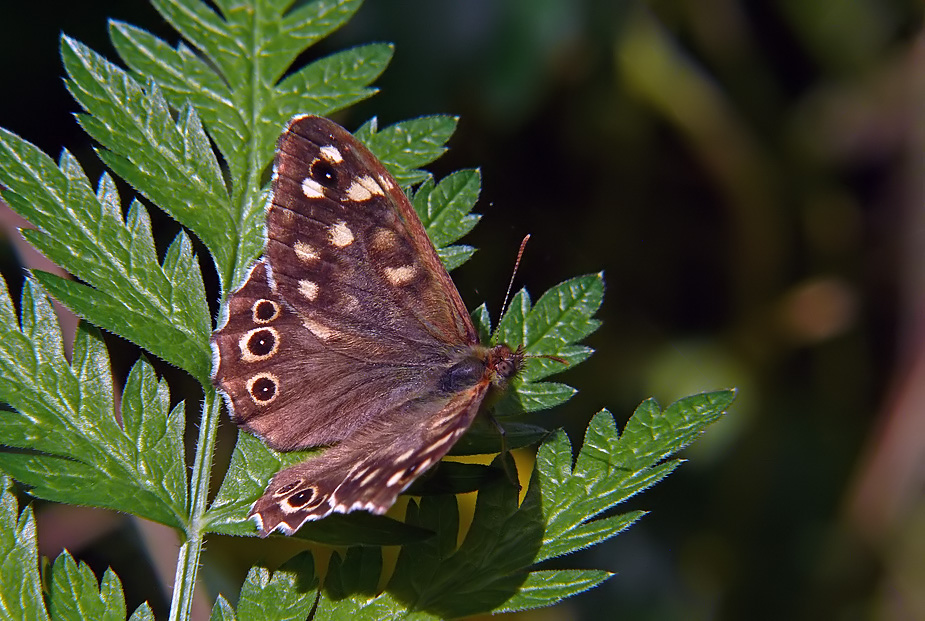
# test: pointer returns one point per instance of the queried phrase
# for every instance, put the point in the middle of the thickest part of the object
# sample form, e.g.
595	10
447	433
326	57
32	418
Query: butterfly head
504	363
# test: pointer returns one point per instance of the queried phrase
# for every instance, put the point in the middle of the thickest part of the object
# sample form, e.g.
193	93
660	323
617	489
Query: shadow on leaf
434	576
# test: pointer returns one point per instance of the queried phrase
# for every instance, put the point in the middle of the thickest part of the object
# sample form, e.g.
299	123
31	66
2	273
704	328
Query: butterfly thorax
492	366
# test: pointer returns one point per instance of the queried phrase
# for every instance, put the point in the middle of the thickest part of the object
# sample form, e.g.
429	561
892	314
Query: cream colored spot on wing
321	331
386	182
356	192
331	154
363	188
400	275
369	477
309	289
405	456
340	234
436	445
384	239
356	472
370	184
350	303
395	478
311	188
305	252
424	465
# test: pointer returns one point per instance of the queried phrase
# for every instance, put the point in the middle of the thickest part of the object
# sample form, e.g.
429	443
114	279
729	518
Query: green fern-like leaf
494	568
222	610
611	467
20	583
563	316
407	146
445	209
73	592
287	594
231	77
160	306
73	448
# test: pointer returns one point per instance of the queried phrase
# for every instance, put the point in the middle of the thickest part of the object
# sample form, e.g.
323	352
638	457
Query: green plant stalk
184	584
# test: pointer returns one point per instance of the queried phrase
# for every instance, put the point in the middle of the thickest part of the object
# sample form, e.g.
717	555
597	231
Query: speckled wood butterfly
348	333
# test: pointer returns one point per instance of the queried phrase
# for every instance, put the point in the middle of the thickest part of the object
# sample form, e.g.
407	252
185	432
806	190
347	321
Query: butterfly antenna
510	285
507	297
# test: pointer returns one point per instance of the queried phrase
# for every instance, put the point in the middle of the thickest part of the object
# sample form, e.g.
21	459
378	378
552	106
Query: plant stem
184	584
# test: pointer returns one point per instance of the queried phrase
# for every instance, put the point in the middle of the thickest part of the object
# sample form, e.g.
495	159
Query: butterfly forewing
285	385
348	251
348	332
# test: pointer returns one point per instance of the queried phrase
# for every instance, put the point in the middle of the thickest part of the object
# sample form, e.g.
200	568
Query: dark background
748	175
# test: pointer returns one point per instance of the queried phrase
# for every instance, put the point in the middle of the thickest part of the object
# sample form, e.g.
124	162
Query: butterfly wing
284	384
369	469
367	311
349	253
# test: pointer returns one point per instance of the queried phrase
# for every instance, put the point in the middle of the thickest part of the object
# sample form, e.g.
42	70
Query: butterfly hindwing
368	470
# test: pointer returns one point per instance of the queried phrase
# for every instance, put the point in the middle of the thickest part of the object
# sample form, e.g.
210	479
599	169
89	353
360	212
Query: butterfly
348	333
